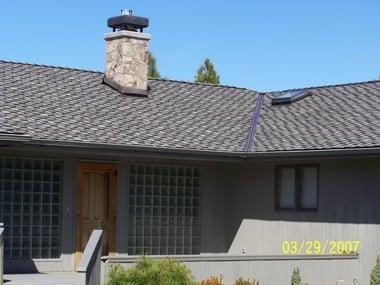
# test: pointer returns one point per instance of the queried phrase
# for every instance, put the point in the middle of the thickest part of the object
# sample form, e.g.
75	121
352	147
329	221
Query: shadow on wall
12	266
348	195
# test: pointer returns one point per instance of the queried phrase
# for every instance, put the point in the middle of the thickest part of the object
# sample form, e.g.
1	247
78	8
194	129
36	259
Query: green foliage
117	276
149	272
296	277
212	281
206	73
375	274
152	68
242	281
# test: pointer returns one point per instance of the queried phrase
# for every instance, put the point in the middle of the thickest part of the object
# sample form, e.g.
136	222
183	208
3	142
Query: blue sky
264	45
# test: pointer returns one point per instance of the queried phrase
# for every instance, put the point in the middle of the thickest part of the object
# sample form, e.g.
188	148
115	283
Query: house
229	180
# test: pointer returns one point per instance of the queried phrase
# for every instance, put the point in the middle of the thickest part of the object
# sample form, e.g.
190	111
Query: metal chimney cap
128	22
126	12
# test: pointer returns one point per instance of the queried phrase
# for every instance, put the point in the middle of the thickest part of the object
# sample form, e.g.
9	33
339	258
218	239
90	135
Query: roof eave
343	152
190	153
139	150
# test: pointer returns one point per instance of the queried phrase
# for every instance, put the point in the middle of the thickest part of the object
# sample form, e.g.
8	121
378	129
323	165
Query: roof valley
254	122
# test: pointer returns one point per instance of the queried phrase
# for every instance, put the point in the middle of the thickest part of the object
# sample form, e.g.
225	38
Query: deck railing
1	252
89	268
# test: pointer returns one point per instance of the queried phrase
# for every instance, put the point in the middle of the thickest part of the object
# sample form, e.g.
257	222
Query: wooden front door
96	205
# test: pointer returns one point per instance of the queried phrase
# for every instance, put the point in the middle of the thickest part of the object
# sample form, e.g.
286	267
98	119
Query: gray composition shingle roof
334	117
71	105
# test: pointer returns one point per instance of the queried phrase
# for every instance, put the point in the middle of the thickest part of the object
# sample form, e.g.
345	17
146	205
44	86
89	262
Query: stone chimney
126	66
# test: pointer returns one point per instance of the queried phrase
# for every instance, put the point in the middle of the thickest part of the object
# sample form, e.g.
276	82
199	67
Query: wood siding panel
349	206
213	209
271	272
349	196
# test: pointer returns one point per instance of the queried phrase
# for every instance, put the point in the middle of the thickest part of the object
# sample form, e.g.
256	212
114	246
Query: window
30	207
297	187
164	204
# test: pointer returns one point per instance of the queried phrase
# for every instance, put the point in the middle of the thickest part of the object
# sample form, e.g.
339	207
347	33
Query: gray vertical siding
349	195
278	272
268	270
237	211
213	210
68	214
122	207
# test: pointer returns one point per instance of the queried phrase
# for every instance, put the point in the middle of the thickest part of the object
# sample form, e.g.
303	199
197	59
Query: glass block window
164	210
30	207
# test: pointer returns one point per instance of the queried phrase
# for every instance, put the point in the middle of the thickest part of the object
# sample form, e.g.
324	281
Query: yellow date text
316	247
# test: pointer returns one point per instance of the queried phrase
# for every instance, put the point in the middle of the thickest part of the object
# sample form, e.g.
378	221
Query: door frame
96	166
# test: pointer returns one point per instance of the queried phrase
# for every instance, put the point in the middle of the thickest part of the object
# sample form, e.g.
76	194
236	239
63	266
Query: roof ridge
150	78
204	84
50	66
325	86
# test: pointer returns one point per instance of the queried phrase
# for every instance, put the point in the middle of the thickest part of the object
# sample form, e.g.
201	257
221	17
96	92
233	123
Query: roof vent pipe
126	12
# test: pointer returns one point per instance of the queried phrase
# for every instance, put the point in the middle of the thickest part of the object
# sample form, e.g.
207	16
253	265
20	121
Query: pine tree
206	73
296	277
375	274
152	68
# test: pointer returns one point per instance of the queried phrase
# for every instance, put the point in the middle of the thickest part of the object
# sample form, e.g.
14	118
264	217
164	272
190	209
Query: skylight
290	97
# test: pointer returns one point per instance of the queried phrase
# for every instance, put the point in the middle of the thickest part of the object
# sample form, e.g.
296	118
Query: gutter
199	154
24	140
137	150
343	152
14	137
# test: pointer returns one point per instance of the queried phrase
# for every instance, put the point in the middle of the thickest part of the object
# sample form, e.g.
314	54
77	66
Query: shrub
296	277
212	281
242	281
149	272
375	274
117	275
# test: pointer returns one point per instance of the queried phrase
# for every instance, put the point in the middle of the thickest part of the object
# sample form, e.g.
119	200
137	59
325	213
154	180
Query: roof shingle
71	105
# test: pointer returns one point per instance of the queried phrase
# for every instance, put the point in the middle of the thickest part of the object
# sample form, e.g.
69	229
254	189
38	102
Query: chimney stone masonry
126	58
